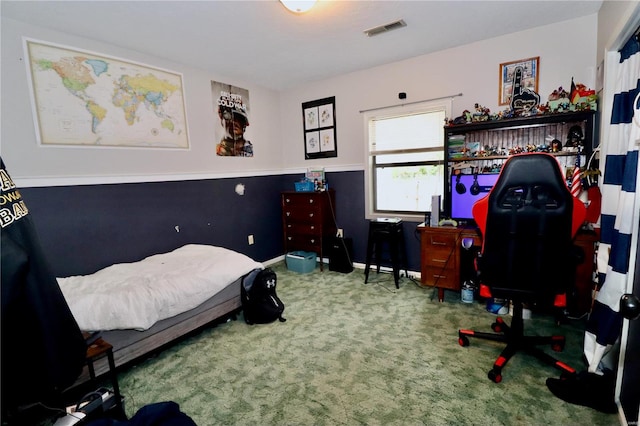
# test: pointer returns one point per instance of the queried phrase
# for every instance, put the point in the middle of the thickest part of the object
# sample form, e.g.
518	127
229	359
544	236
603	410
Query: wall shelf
522	122
504	157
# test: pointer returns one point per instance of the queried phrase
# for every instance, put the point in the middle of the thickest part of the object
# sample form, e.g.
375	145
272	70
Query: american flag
576	185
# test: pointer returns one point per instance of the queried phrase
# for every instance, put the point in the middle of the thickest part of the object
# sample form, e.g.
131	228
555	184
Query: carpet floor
358	354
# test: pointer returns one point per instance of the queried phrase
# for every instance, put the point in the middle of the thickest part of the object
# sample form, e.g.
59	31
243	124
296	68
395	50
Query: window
405	159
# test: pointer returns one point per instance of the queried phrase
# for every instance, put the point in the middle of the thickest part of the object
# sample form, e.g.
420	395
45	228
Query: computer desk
441	255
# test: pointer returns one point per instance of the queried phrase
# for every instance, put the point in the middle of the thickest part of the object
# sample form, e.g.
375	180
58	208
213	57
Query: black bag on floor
260	303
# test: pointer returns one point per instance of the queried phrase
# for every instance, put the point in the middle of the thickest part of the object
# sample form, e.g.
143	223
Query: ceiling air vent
385	28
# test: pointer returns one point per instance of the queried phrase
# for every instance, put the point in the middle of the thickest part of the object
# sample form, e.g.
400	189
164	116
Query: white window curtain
620	212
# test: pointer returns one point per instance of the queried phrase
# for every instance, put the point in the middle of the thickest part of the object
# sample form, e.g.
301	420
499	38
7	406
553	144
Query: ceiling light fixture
298	6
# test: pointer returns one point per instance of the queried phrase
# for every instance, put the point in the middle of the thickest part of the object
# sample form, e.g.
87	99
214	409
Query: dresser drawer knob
287	200
288	214
310	214
313	241
310	200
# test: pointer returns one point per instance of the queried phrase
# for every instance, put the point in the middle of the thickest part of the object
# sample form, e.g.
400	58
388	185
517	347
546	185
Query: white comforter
137	295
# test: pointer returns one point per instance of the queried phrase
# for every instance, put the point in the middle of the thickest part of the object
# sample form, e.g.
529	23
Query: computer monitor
463	194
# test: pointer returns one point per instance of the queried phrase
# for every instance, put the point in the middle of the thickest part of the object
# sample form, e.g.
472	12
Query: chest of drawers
308	220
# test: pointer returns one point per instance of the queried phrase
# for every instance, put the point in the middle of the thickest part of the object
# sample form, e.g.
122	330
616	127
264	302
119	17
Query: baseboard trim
385	269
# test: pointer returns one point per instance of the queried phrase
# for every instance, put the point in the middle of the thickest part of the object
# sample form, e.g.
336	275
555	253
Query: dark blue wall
87	227
349	188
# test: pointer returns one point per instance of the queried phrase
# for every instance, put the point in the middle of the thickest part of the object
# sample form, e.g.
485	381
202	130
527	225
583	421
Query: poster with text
231	111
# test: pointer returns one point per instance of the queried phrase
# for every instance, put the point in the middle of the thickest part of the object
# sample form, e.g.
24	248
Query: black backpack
260	302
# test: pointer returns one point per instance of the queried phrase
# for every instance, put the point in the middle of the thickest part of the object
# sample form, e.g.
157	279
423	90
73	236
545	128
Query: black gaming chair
528	222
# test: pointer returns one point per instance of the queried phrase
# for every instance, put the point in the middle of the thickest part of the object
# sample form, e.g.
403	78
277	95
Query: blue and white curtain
618	209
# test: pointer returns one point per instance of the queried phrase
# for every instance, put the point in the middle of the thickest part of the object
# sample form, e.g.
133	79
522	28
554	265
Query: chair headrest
532	178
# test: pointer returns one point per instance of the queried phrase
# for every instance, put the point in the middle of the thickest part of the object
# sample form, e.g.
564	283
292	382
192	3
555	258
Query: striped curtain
618	211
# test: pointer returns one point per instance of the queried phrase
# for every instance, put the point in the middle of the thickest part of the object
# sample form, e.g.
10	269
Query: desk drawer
441	277
435	240
441	256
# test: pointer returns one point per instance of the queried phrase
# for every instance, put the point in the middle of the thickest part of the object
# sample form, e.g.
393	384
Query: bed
142	306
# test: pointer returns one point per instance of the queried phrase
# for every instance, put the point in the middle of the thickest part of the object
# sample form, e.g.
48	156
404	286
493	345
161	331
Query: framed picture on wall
88	99
531	68
318	118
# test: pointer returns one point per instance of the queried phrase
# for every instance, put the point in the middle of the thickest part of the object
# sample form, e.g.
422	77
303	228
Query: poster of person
231	109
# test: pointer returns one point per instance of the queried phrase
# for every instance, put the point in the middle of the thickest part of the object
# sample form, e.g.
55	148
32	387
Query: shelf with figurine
513	122
561	105
473	151
479	143
565	126
483	148
526	126
501	155
563	134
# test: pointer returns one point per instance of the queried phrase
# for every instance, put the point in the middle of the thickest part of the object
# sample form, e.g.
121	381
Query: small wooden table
96	350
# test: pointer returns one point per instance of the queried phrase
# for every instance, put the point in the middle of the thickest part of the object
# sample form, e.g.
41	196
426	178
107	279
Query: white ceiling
262	43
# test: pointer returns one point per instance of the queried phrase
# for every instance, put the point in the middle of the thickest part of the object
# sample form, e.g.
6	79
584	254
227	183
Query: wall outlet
250	238
340	233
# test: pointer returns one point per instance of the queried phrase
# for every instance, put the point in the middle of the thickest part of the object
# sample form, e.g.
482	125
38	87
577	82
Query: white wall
33	165
566	50
613	19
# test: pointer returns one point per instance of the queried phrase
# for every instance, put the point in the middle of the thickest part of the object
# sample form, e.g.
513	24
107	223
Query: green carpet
357	354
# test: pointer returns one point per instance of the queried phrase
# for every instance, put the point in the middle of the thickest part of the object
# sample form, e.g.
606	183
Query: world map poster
87	99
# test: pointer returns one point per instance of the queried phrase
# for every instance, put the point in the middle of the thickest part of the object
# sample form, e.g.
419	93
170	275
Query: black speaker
340	255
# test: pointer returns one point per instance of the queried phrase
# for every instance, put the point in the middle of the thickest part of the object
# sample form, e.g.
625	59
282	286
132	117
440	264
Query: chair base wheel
495	375
558	343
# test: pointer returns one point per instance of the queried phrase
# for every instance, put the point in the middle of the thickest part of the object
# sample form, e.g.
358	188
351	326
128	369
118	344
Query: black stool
389	232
